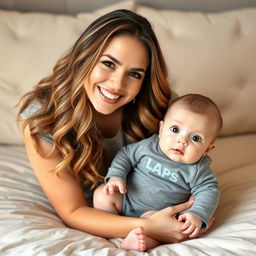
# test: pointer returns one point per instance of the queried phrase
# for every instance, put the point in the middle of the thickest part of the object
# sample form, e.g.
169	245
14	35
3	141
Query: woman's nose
117	80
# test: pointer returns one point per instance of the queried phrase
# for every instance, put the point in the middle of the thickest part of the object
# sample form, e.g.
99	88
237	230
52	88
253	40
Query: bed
209	53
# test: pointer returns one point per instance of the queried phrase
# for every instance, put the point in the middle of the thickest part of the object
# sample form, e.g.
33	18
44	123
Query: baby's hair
201	104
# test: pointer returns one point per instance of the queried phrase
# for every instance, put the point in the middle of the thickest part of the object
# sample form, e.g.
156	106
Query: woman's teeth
109	95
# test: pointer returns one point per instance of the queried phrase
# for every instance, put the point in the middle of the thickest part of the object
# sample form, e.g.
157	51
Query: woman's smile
108	96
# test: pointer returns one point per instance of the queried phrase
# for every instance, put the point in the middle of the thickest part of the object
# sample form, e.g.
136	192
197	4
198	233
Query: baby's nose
182	140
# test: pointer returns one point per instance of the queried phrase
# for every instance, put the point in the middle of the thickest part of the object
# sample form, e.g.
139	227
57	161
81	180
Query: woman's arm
66	196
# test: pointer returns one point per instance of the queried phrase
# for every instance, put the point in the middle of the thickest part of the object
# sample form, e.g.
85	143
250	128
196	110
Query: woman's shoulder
29	111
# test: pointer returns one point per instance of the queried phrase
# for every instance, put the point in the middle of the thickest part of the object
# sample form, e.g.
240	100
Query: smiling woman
83	113
117	77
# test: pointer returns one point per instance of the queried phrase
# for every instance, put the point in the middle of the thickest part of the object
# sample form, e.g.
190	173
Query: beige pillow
213	54
30	45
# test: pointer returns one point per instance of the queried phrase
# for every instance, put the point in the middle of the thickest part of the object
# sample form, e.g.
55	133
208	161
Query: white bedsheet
29	226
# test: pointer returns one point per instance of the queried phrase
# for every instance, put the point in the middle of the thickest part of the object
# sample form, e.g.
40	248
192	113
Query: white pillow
30	45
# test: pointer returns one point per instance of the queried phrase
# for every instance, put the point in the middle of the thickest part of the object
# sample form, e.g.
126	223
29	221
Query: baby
165	169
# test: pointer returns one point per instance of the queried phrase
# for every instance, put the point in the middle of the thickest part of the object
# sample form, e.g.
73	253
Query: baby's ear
160	127
211	147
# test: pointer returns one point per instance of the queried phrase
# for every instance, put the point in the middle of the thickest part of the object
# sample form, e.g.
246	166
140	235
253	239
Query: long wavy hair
66	111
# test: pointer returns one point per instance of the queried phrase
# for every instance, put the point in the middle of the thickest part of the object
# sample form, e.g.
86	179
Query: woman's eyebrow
139	69
120	63
113	58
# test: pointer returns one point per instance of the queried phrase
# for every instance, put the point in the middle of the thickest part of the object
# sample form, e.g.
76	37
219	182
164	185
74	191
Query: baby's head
189	129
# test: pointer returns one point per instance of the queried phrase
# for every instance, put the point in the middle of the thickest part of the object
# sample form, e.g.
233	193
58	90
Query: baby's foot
135	240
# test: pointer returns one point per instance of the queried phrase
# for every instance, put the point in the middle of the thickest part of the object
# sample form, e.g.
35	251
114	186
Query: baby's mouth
177	151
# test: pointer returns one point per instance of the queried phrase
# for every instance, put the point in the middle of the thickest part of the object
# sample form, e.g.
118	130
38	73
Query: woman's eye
135	74
108	63
196	138
175	129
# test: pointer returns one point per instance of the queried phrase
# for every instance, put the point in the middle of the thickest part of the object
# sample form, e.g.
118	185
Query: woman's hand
164	226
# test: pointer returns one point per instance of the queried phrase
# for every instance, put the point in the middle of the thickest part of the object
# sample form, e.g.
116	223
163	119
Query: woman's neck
109	125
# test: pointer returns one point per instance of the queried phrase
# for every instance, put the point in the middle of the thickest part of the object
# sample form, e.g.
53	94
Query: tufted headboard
76	6
213	54
209	53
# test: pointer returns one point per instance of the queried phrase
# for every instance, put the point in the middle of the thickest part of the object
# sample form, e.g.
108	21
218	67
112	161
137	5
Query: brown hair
66	111
201	104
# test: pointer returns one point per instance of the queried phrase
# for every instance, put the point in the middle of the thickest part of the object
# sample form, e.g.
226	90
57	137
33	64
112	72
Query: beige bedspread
29	225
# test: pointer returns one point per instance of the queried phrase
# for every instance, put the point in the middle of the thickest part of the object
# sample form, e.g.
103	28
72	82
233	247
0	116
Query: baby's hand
113	185
192	224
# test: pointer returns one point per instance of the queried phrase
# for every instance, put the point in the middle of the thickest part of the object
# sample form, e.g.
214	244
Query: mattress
29	225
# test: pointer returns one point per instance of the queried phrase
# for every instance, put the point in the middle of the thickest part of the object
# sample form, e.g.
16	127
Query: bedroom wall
75	6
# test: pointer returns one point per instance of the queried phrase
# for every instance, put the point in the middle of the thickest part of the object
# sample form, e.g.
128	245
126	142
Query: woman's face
117	76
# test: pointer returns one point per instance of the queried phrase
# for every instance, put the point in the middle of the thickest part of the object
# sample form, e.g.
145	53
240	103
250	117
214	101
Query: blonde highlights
66	112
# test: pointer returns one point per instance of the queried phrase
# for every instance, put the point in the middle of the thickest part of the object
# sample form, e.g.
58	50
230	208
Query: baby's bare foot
135	240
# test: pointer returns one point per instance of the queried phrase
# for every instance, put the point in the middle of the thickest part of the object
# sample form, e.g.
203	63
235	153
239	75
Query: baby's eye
175	129
196	138
108	63
136	75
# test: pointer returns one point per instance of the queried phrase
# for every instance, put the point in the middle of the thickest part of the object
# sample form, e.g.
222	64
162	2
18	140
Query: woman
109	89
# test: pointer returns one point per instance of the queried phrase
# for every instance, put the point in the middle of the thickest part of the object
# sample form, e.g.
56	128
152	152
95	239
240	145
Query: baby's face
186	136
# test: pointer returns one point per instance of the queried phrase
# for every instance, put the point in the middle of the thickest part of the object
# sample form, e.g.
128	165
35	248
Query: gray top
31	110
110	145
154	181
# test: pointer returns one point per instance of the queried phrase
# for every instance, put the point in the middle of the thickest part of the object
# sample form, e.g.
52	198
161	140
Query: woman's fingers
180	207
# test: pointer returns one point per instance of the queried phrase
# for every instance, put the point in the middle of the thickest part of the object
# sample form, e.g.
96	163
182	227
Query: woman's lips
108	96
